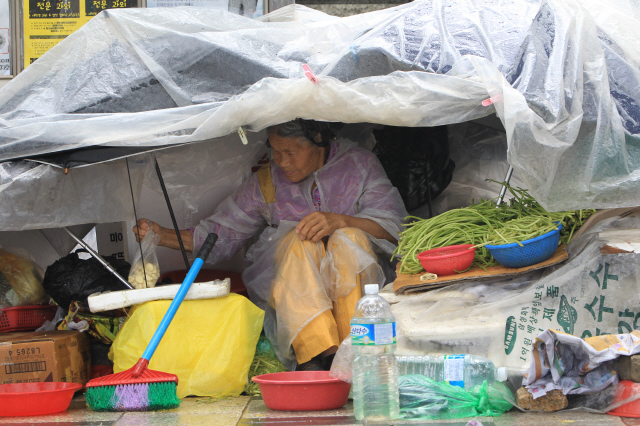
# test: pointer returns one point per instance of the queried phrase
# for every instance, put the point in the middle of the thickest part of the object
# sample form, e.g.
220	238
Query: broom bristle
141	397
142	390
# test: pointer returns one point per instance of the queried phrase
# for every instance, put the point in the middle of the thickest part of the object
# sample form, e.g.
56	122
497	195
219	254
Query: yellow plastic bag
209	345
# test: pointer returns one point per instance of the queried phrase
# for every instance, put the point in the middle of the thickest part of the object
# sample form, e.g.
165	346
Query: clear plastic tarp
562	76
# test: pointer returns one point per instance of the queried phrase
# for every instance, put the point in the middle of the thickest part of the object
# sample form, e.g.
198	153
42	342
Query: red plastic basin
302	391
627	389
30	317
447	260
35	399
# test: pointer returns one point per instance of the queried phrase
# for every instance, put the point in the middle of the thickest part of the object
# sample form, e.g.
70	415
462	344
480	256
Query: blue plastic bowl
532	251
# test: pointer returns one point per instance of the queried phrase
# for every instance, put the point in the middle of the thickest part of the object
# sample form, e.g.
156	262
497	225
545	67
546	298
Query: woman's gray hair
290	129
304	129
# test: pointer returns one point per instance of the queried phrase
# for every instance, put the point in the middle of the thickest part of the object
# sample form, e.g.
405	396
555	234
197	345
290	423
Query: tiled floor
245	411
192	411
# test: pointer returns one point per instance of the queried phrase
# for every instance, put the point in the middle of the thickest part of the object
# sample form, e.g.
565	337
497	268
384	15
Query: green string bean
517	230
480	224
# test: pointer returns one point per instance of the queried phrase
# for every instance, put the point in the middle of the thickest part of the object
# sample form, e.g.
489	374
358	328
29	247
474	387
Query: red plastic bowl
302	391
447	260
626	389
35	399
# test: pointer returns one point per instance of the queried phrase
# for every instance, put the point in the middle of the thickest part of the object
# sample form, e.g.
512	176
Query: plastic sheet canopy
562	75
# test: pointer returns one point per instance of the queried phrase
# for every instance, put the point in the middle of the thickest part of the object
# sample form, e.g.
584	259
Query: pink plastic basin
447	260
302	391
35	399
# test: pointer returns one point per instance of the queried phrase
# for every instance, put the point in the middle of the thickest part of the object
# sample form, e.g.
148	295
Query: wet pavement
246	411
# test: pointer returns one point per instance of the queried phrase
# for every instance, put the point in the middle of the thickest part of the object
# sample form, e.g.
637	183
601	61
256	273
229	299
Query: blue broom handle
179	297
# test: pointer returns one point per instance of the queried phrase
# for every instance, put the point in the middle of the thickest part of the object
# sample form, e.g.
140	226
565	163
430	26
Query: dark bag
71	278
416	160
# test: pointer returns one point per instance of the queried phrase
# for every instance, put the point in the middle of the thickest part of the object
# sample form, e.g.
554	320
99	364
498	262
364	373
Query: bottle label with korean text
454	370
373	334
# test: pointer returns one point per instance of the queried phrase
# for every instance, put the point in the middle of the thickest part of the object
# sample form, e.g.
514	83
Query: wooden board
408	283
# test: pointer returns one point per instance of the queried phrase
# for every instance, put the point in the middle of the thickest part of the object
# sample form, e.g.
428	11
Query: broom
138	388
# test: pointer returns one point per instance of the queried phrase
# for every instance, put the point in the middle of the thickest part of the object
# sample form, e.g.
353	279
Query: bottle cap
371	289
501	374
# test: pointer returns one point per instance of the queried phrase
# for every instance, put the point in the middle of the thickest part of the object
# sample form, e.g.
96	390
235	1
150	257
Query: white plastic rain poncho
352	183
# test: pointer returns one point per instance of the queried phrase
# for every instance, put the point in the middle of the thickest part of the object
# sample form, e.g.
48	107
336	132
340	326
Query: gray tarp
562	75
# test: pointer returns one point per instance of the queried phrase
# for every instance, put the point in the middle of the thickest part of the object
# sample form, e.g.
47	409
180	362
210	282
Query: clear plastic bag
151	266
20	280
424	398
342	366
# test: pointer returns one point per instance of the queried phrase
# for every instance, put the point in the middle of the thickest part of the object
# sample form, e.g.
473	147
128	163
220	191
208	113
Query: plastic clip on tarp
424	398
243	136
310	74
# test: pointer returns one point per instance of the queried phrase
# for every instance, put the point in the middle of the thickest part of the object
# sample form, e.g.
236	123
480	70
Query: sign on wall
5	38
47	22
112	240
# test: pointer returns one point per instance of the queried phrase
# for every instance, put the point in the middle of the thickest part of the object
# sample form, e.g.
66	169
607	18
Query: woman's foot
327	361
315	364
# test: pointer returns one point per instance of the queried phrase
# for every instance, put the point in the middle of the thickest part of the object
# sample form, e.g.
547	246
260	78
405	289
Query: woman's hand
168	237
317	225
143	226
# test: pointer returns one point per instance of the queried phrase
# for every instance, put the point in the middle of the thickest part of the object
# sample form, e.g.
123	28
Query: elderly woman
326	209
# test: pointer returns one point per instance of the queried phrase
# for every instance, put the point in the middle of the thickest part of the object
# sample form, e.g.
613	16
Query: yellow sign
47	22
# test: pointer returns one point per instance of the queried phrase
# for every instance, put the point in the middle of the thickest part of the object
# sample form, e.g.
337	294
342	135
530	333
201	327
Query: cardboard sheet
407	283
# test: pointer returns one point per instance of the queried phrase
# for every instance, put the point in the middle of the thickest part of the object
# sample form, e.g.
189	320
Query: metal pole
503	191
173	217
428	192
135	216
99	258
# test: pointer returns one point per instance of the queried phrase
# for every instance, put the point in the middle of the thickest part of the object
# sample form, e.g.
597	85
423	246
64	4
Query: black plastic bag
71	278
413	156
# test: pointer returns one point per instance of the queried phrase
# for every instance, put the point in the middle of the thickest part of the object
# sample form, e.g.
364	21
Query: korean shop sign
48	22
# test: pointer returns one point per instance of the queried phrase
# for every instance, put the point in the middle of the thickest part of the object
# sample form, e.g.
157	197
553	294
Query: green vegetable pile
522	229
473	224
265	361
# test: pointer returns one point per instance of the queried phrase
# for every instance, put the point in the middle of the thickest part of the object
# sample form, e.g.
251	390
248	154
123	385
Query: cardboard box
45	356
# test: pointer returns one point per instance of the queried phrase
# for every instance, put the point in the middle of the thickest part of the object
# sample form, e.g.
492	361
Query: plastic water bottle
375	368
464	371
417	365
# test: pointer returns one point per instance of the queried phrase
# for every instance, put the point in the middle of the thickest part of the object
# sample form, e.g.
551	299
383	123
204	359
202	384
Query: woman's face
298	158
